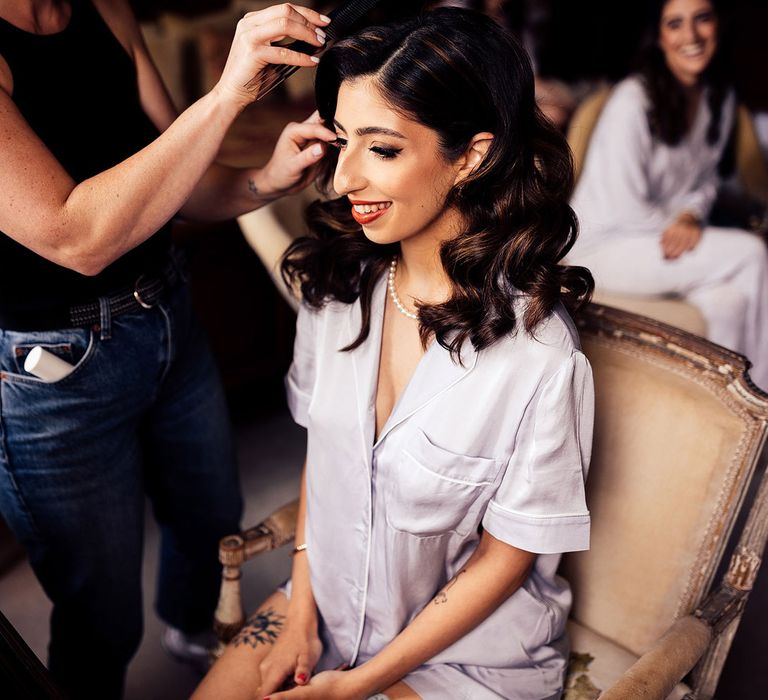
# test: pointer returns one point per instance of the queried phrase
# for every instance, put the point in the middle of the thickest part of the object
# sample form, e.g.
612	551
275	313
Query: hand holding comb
342	18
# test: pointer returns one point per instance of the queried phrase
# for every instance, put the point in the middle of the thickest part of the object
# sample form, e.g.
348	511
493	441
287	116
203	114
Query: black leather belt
145	293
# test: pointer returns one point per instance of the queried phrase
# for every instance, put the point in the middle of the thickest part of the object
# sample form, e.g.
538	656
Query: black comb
342	18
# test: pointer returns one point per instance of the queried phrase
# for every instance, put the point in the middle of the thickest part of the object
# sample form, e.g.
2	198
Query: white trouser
725	277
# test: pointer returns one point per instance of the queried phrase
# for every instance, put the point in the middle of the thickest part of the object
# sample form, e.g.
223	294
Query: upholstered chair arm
656	673
234	550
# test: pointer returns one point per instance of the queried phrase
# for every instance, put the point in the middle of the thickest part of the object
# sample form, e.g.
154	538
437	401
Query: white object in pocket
46	365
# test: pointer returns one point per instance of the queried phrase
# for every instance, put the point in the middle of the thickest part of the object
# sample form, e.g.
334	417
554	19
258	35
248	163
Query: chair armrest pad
274	531
655	674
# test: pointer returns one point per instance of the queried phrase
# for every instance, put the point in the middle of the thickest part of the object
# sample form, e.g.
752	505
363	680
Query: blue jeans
143	413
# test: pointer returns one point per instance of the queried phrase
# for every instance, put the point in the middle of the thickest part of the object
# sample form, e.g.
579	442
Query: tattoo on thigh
442	596
262	628
252	186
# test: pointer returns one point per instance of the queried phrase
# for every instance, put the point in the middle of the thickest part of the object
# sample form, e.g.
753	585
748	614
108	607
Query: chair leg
230	616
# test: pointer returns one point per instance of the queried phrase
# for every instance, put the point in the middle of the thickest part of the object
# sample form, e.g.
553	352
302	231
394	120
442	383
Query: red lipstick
367	218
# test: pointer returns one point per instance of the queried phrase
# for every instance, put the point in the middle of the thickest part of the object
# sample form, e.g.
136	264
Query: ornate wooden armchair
679	428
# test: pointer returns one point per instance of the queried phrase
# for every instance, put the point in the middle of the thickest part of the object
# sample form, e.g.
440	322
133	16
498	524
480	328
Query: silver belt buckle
137	295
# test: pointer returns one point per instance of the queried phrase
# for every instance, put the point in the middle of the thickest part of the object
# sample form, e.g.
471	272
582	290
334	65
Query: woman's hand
339	685
297	150
680	237
294	655
252	51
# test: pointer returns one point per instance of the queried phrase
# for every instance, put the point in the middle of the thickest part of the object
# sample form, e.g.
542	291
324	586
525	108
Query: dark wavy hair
459	73
667	114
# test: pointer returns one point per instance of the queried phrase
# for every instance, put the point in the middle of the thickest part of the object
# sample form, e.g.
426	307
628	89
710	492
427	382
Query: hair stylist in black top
94	162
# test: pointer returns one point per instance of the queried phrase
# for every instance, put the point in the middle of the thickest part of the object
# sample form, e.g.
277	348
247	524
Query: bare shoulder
120	19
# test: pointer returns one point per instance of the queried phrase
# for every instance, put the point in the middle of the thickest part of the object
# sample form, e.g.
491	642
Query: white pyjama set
632	187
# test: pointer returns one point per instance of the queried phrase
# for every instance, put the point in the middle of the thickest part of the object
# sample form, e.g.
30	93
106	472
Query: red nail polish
302	678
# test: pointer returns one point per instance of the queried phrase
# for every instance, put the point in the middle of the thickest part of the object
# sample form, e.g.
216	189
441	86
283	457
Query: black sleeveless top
77	89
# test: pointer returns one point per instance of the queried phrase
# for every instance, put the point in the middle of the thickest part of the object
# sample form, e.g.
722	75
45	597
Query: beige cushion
674	311
597	663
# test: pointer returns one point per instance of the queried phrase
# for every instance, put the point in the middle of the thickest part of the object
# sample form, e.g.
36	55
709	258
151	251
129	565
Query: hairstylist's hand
297	150
252	49
681	236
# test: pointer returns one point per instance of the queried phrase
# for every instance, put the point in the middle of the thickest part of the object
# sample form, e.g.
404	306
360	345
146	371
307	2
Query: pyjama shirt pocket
435	491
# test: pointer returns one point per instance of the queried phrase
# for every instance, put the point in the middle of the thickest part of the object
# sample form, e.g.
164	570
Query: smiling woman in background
650	178
447	402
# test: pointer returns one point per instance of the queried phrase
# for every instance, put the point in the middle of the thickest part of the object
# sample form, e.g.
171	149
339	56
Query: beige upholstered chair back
676	437
582	125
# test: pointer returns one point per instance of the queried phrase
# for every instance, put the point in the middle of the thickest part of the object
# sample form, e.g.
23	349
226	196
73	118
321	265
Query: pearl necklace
393	292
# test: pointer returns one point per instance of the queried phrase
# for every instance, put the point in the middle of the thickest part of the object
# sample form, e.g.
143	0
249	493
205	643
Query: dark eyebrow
368	130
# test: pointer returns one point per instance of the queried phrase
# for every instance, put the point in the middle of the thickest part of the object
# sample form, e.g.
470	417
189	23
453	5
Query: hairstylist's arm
87	226
226	192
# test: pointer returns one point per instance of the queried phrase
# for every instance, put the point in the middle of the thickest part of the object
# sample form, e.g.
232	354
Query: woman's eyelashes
383	152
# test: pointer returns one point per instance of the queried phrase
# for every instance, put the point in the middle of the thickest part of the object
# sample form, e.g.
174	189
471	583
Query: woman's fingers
279	29
303	670
306	131
281	22
252	48
281	55
290	11
298	148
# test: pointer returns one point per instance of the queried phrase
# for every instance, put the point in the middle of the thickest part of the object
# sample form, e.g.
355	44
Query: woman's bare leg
235	676
400	691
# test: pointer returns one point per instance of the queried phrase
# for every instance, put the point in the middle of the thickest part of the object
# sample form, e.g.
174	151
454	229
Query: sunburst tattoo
262	628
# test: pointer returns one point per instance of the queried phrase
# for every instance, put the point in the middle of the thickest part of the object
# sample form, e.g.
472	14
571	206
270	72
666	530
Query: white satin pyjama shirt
502	442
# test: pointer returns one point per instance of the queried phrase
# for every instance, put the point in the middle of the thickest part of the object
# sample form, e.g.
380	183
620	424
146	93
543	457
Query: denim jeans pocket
73	345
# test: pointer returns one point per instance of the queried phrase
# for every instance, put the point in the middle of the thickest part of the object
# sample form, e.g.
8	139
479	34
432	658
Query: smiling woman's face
391	169
688	37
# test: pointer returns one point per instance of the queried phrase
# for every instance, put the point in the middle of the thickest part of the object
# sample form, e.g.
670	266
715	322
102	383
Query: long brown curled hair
458	73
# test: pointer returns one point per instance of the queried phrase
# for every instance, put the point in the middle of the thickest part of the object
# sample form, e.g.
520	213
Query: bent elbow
85	246
88	263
